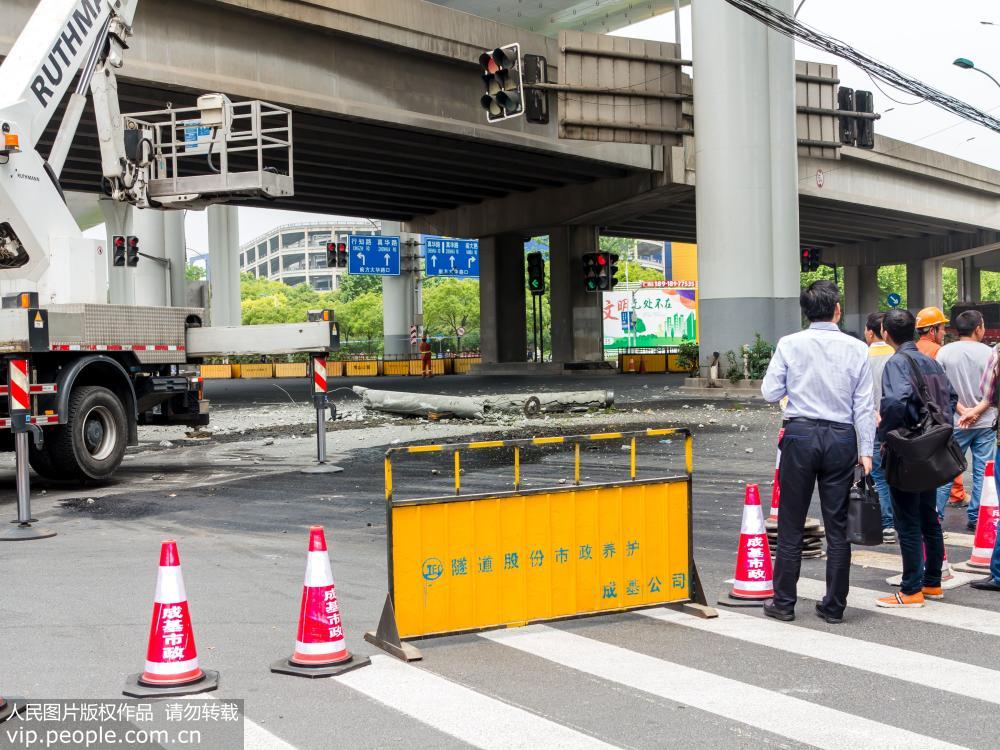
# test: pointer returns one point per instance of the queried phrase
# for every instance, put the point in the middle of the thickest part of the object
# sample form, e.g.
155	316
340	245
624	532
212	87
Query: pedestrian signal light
118	249
536	273
591	272
500	71
132	251
811	259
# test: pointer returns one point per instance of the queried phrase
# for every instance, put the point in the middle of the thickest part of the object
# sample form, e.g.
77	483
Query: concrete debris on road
439	407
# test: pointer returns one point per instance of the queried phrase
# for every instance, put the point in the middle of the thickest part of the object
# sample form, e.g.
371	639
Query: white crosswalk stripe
475	718
794	718
910	666
936	612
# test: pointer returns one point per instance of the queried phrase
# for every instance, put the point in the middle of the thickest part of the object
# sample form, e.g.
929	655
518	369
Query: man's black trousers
814	451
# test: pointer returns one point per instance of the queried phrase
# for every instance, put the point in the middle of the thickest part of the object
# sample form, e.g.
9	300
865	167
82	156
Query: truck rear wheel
91	445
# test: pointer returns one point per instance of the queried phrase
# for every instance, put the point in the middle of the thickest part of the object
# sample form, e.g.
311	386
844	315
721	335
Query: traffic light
500	71
536	273
612	270
132	251
848	126
864	102
811	259
118	250
590	272
336	254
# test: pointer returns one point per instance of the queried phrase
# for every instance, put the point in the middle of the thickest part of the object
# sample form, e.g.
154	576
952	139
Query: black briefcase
864	513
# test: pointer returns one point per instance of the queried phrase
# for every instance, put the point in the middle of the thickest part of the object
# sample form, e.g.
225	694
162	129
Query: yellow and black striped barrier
463	563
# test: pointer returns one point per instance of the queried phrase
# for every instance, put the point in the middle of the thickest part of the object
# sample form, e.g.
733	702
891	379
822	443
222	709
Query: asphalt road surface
76	608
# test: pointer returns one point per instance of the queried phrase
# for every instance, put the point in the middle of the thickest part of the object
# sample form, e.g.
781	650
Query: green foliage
689	356
450	304
194	273
989	282
734	373
354	286
758	357
891	280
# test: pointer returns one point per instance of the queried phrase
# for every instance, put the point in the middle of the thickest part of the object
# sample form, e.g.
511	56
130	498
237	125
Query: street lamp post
966	64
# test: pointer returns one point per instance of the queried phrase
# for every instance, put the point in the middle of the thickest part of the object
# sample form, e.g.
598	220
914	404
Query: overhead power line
789	26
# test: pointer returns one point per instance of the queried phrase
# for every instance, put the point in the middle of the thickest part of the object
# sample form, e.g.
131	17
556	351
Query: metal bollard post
321	403
19	398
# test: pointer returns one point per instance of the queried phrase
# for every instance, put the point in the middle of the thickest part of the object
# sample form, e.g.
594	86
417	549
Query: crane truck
81	374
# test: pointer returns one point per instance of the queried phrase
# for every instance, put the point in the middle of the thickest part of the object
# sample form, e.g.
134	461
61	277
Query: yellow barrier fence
464	364
361	368
290	369
213	372
501	559
256	370
396	367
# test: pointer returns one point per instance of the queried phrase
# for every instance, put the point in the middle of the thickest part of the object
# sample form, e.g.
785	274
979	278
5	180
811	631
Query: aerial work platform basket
200	155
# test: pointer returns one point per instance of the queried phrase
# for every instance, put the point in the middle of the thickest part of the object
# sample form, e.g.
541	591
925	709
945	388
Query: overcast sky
918	37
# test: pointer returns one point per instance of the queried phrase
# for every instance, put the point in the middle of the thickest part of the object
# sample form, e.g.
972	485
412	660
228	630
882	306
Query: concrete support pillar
923	284
401	295
175	251
861	296
747	187
969	281
502	317
854	317
868	290
149	278
575	314
224	265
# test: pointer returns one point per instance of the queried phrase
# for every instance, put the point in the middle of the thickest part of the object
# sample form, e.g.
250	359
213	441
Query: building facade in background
296	253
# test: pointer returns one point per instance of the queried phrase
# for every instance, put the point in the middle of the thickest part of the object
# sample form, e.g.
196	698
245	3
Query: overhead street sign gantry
373	255
448	257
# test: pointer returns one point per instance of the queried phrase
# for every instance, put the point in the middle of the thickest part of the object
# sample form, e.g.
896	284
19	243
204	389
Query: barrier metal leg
699	606
321	402
23	531
387	636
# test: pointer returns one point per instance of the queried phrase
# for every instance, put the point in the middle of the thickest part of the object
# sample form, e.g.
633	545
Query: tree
361	317
450	304
194	273
352	287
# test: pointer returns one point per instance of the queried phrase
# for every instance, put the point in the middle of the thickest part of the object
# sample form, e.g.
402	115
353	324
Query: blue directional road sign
894	300
373	255
446	257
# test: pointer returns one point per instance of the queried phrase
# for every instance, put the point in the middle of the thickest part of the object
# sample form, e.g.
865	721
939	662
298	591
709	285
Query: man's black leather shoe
823	615
778	614
986	584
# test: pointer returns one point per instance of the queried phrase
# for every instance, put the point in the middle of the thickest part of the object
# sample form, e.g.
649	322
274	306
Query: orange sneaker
933	592
902	600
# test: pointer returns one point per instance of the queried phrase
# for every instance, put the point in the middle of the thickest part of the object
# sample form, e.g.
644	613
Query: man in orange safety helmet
930	336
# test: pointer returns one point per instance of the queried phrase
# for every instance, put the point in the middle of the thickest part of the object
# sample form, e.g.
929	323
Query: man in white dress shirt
829	429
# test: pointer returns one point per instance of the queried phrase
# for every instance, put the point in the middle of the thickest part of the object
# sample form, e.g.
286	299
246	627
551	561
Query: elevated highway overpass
387	125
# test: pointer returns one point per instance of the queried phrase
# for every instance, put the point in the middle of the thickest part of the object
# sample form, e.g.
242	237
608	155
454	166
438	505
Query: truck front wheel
91	445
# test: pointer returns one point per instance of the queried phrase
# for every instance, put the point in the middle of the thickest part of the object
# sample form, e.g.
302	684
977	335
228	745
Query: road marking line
936	612
799	720
910	666
459	711
955	539
255	737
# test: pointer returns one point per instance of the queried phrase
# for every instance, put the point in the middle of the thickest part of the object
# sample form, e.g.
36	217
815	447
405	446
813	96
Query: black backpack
924	457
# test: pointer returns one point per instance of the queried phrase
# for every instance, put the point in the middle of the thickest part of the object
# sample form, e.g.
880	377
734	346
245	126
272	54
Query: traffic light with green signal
536	273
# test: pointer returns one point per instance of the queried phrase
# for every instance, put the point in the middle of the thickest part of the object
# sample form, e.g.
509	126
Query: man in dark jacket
917	524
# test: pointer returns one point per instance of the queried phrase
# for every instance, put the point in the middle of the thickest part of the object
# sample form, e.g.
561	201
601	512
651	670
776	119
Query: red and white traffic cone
171	657
320	648
753	582
986	527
